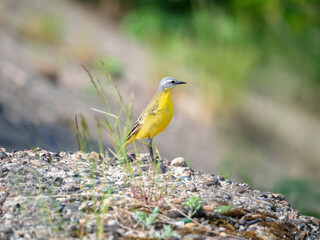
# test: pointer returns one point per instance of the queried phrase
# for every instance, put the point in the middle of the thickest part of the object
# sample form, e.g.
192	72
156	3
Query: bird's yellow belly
160	122
155	124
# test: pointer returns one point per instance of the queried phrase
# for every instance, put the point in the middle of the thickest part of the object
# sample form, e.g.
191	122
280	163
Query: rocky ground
46	195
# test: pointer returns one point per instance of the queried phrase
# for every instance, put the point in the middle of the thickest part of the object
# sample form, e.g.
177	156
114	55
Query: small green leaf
186	220
194	205
223	209
106	190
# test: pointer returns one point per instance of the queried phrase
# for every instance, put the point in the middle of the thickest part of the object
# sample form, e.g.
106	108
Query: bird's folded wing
151	109
135	128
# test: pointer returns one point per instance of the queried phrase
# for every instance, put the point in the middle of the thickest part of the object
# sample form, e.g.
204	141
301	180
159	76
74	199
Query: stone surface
179	162
45	195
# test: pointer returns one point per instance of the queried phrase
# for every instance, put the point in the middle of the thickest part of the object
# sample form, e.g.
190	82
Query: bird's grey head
167	83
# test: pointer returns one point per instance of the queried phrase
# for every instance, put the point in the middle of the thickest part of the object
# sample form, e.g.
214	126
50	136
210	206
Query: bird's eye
172	82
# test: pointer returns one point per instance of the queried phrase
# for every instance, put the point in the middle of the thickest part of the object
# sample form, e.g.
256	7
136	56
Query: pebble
3	155
253	221
242	222
112	222
223	234
179	184
86	186
73	231
94	156
176	201
6	229
220	178
177	213
58	181
211	182
178	162
228	182
193	237
185	178
71	187
82	206
302	226
111	236
163	168
191	187
59	208
190	225
242	228
252	229
208	208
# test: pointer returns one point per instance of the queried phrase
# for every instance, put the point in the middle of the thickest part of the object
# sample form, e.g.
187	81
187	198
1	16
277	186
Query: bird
156	116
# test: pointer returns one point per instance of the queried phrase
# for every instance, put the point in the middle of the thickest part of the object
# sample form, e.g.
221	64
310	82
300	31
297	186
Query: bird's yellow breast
158	119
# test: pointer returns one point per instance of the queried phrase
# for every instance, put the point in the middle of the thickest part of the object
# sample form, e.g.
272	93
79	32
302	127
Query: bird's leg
150	148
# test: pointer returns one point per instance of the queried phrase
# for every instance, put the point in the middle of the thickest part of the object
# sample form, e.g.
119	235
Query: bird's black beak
181	82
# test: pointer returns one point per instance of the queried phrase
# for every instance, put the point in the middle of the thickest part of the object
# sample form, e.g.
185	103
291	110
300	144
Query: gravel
86	195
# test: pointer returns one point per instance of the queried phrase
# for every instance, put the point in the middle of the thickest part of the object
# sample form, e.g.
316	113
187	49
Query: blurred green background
234	50
271	47
252	66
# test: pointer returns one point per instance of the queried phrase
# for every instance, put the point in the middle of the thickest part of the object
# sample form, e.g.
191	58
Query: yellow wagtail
157	115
